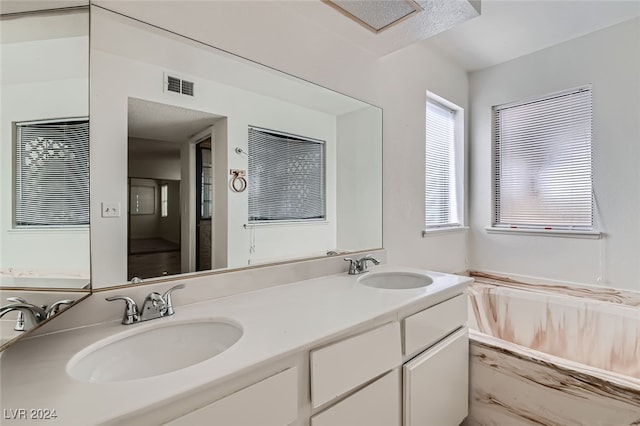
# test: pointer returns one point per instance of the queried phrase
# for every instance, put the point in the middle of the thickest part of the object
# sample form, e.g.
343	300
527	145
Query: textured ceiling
152	120
505	29
509	29
436	16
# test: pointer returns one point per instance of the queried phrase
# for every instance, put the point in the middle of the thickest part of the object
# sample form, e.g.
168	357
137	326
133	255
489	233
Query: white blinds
286	177
52	173
542	163
440	190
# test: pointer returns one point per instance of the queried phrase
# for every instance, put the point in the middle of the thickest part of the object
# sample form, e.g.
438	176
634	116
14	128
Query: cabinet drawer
378	404
271	402
427	327
342	366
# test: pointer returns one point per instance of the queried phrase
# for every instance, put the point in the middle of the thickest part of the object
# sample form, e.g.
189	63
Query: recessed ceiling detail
376	15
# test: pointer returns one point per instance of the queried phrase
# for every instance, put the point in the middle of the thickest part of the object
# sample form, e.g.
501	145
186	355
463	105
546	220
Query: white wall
610	60
404	77
33	89
131	57
286	41
359	179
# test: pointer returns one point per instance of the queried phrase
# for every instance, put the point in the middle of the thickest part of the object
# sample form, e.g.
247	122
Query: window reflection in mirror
44	223
44	166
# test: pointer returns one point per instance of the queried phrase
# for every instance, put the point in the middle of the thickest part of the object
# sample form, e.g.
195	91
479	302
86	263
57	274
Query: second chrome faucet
155	306
360	266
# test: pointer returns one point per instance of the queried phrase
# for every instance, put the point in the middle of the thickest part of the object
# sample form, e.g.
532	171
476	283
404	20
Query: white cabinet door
271	402
436	384
377	404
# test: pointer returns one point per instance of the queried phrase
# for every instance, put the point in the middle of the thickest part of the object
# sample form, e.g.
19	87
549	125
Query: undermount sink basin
395	280
152	351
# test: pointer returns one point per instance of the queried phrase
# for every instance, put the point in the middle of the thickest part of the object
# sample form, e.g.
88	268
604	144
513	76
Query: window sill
593	235
440	231
286	223
71	229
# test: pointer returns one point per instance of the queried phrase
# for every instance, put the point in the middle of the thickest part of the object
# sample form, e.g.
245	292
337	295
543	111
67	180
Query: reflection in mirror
160	141
44	166
179	115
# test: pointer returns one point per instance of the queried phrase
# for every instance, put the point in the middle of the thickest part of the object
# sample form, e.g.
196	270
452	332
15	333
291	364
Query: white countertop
276	322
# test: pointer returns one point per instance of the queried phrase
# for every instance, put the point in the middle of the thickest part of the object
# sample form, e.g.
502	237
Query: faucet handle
131	314
20	319
167	299
55	306
353	265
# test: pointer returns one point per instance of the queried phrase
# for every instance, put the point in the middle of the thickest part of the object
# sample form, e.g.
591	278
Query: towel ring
237	183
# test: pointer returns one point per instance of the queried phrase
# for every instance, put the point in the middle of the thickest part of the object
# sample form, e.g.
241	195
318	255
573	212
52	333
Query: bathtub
540	356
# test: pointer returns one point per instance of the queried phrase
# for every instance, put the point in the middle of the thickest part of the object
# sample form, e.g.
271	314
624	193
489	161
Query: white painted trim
594	235
447	230
54	229
276	223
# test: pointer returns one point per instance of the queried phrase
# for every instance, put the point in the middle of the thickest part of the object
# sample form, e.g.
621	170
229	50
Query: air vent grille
173	84
177	85
187	87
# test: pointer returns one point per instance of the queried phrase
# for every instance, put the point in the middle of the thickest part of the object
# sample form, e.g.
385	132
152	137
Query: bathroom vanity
333	350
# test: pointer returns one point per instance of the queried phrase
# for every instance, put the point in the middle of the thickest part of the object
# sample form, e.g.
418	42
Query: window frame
497	227
458	161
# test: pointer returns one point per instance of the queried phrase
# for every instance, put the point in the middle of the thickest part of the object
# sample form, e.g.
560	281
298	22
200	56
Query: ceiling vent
178	85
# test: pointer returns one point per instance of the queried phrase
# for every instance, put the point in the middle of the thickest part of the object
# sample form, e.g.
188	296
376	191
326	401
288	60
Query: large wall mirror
201	160
44	165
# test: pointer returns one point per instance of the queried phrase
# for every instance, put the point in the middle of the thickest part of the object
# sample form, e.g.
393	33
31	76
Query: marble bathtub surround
595	333
552	354
513	385
604	294
10	277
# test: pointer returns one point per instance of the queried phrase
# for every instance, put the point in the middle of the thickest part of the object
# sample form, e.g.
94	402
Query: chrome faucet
29	314
360	266
155	306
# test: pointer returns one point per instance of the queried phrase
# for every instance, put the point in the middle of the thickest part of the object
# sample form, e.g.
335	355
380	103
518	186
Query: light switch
110	209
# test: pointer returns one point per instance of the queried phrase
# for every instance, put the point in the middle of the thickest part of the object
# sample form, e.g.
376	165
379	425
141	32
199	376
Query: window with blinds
442	174
542	163
52	173
286	178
